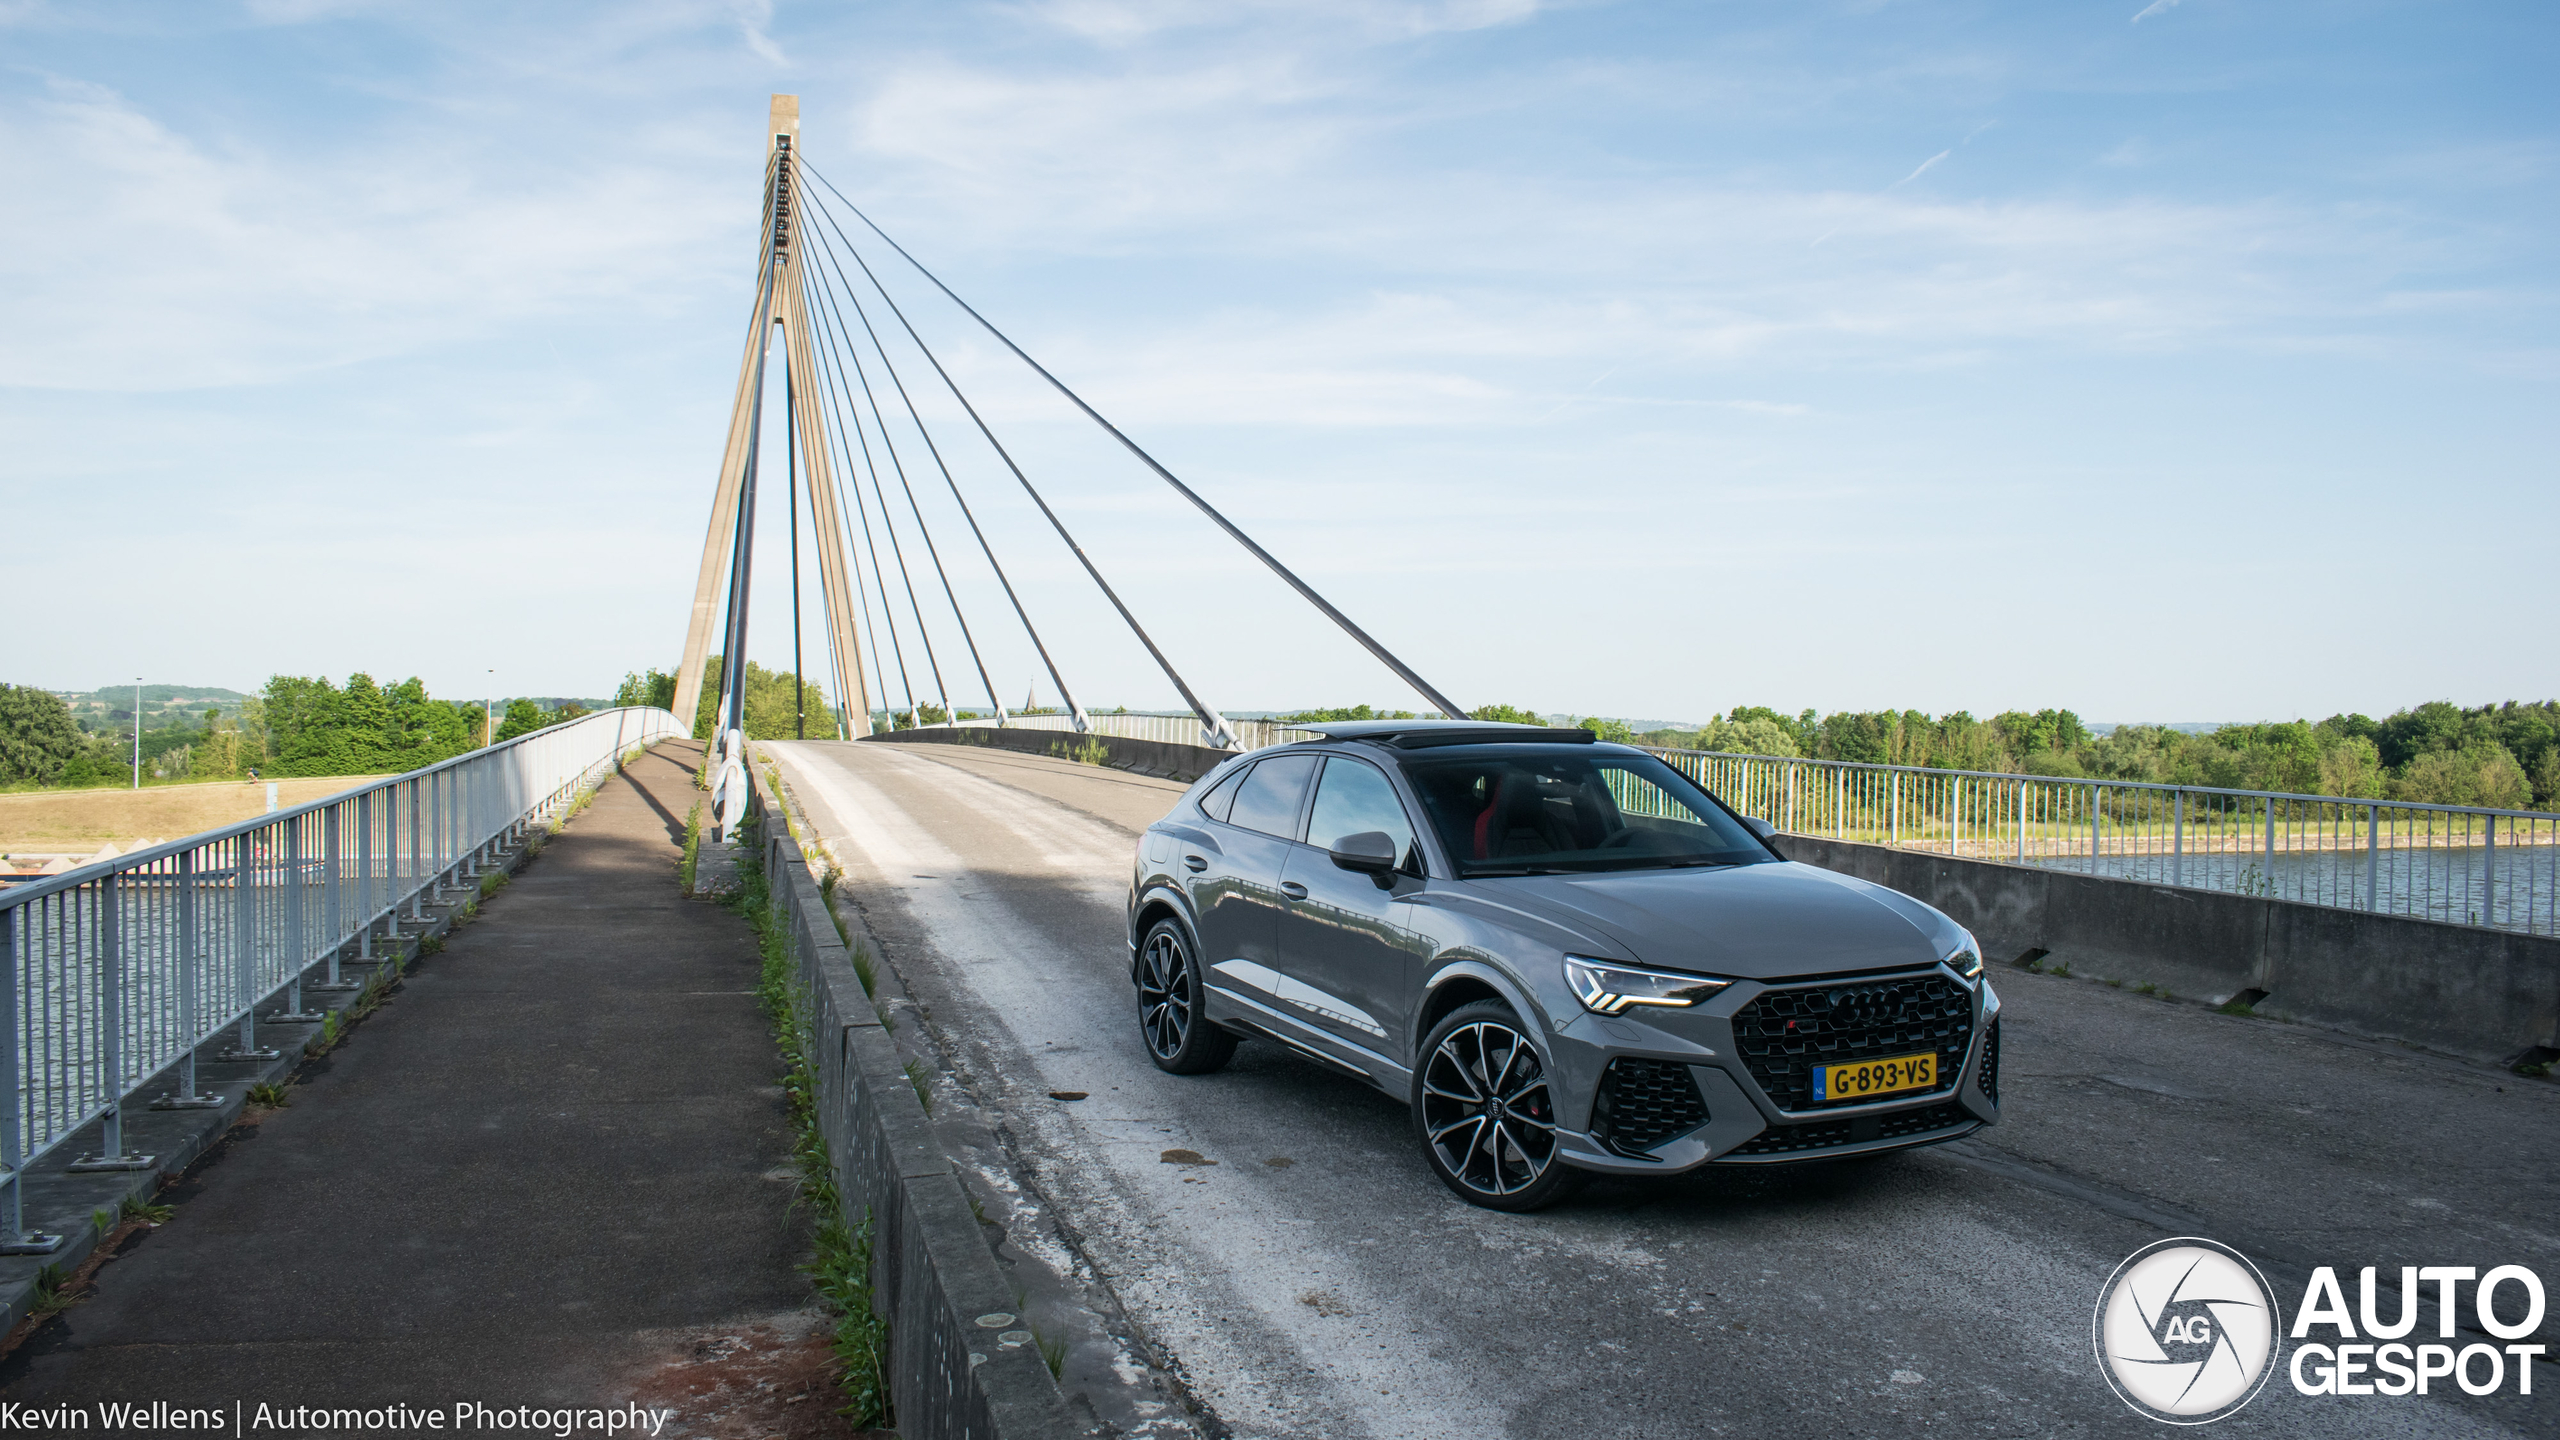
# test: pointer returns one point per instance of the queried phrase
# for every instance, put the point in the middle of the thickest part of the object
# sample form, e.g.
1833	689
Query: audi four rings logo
2185	1330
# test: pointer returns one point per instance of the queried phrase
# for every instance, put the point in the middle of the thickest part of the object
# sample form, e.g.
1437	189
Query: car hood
1752	922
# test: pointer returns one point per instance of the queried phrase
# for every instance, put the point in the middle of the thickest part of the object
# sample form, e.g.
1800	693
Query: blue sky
2190	361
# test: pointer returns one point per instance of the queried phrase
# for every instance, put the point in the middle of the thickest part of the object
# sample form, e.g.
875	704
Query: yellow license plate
1874	1079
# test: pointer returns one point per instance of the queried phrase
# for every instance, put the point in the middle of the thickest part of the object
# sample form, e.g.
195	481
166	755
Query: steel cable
1220	733
1402	670
932	551
1033	631
846	416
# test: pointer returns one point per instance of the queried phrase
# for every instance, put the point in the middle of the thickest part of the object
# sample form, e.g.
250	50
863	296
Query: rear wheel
1485	1115
1179	1038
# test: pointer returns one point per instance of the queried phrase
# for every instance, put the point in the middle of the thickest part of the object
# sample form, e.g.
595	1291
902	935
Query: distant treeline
770	714
2504	756
296	725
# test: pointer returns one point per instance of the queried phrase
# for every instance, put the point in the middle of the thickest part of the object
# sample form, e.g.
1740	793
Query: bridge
2290	1023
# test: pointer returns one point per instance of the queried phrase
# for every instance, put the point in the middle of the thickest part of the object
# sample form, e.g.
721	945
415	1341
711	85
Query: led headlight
1609	989
1966	958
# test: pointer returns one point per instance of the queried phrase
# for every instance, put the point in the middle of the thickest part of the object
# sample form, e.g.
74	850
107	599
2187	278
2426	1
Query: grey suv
1565	955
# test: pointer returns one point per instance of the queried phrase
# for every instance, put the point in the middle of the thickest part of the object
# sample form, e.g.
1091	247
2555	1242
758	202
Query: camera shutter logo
2186	1331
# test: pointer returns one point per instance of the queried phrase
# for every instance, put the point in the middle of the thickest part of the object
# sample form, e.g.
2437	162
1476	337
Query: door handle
1194	864
1293	889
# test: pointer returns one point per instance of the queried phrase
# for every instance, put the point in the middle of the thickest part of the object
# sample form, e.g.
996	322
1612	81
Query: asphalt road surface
1317	1281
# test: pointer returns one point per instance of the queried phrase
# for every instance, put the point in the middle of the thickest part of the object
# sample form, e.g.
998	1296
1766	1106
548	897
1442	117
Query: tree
523	717
1506	715
37	736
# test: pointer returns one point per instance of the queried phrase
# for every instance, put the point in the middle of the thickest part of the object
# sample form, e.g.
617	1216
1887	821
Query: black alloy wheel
1485	1115
1178	1038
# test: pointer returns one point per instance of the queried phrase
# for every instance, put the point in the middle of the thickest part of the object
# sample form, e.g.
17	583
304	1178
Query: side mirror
1371	852
1759	827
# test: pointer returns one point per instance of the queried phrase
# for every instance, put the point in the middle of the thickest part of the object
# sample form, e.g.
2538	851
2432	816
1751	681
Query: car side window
1268	799
1223	794
1354	796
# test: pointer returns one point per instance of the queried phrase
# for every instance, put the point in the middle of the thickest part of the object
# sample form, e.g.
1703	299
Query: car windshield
1555	811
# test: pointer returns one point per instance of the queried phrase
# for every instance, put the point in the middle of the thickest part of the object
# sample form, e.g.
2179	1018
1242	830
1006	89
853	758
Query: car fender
1160	889
1522	1003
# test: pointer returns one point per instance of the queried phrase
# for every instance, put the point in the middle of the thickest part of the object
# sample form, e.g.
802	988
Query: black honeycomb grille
1784	1035
1991	1063
1645	1103
1863	1130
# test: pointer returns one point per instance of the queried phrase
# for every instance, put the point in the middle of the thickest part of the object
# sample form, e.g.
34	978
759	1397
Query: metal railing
113	973
2498	869
1183	729
2494	868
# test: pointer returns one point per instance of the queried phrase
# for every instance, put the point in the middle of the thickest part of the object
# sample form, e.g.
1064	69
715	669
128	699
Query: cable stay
1402	670
1068	697
879	575
924	636
1214	725
932	551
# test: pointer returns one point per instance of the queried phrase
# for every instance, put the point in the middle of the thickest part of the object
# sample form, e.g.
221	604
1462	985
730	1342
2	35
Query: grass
52	1293
865	969
2237	1006
332	1030
841	1268
2062	970
102	1221
1053	1349
270	1094
137	1208
2535	1072
432	945
692	848
918	1077
493	882
1089	751
68	821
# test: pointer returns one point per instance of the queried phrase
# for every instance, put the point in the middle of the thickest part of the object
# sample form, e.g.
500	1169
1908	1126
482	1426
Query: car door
1235	886
1349	961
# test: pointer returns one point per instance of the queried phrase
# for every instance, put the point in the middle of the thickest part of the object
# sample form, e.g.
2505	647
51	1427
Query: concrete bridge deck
1317	1280
551	1170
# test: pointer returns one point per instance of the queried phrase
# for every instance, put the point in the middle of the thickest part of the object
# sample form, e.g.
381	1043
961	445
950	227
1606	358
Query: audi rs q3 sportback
1566	956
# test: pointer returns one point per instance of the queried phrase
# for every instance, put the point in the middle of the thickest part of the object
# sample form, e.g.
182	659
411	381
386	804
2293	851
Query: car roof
1418	734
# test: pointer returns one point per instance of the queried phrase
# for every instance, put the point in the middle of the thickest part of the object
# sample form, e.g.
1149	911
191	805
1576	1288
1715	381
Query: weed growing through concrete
866	970
841	1270
1053	1348
432	945
2146	988
137	1208
492	883
916	1076
52	1296
692	847
2236	1006
2062	970
269	1094
102	1221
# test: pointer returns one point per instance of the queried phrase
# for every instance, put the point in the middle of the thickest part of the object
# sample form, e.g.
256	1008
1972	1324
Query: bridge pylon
780	302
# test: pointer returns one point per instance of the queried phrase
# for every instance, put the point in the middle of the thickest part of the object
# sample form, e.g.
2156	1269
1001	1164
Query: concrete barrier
953	1374
2488	994
1147	757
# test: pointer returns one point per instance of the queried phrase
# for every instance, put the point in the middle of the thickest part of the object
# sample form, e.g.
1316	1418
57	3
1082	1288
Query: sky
2184	360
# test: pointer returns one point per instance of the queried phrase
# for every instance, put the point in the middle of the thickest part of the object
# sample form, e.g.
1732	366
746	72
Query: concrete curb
952	1370
1160	758
2483	994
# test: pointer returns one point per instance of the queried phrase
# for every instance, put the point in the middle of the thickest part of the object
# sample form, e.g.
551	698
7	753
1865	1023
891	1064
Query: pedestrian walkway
552	1170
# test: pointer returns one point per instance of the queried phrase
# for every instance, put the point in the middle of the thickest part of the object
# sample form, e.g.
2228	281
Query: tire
1483	1115
1178	1037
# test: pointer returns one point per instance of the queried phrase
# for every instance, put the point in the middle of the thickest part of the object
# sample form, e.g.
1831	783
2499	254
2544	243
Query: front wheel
1179	1038
1485	1115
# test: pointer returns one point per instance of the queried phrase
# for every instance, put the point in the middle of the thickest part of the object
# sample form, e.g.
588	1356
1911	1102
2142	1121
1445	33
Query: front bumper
1756	1107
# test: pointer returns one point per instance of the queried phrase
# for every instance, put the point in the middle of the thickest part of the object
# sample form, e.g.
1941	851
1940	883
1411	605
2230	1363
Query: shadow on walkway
552	1170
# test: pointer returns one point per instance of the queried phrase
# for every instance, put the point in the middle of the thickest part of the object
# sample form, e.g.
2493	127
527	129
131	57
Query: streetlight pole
137	732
